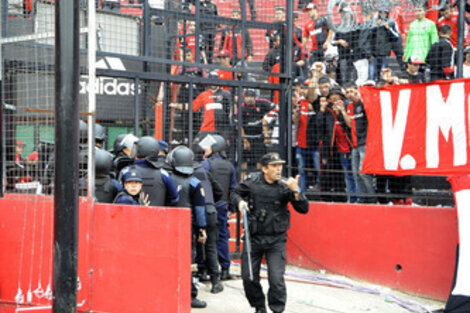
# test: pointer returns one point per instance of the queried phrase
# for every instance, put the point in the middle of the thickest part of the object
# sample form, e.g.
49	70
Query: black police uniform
224	173
213	193
268	224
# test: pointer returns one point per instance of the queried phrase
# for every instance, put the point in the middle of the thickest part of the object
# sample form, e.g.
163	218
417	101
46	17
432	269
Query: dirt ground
317	292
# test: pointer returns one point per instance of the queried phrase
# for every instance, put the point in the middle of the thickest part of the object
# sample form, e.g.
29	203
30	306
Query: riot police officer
106	188
224	173
268	196
192	196
157	182
209	265
100	136
122	149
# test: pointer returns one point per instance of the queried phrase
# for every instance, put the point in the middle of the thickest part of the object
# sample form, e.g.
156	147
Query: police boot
225	274
202	275
198	304
216	286
260	310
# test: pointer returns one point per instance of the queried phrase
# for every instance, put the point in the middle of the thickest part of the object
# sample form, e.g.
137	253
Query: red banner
418	128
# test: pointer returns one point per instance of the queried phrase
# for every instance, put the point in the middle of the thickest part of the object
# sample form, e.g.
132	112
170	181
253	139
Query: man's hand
202	236
342	42
291	182
207	152
246	144
323	104
144	198
242	204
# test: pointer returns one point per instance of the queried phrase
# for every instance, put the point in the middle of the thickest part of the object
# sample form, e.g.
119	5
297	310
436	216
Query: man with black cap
132	193
266	195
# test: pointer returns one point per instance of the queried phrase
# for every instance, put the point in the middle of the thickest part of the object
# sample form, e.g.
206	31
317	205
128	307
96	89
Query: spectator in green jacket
421	35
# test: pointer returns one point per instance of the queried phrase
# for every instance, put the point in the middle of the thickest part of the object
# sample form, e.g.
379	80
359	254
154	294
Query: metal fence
178	70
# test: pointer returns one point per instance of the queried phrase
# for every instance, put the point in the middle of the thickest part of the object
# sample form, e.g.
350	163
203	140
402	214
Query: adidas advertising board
109	86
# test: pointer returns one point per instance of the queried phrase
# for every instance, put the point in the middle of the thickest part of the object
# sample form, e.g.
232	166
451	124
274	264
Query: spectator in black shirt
279	17
251	3
344	42
441	55
274	54
208	27
412	74
383	34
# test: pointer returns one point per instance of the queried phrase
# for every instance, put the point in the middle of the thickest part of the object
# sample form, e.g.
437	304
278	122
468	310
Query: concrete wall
403	247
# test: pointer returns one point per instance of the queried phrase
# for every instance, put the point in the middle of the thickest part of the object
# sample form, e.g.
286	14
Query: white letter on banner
444	116
393	133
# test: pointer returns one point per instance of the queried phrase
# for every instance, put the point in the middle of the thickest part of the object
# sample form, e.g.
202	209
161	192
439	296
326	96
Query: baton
247	241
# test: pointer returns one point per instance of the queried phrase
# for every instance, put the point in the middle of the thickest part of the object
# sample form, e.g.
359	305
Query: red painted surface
369	241
131	259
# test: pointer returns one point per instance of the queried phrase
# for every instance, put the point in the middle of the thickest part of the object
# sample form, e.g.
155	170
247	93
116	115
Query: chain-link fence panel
158	64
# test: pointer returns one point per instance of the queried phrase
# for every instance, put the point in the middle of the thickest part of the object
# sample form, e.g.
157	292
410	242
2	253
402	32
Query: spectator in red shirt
358	123
318	31
336	146
189	41
232	41
19	152
451	18
216	105
224	57
307	154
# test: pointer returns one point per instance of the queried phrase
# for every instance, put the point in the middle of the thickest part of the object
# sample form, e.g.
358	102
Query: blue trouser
303	156
364	182
345	159
224	235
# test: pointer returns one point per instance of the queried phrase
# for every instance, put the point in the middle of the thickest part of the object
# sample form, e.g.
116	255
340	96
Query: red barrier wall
403	247
126	255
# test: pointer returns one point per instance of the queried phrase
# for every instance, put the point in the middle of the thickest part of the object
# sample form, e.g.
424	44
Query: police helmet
100	134
103	162
220	144
147	147
118	145
181	159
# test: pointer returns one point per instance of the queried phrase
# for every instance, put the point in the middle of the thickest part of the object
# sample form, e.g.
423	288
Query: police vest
124	193
201	174
268	207
221	171
183	185
121	162
104	190
153	185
